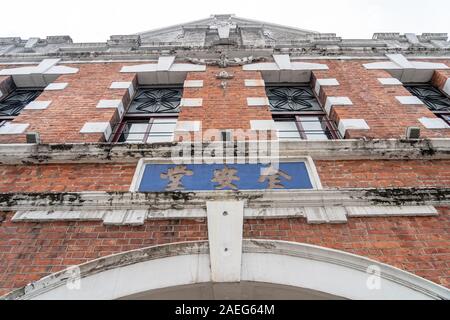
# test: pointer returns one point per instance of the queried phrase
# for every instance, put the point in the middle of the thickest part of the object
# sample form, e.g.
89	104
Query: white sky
96	20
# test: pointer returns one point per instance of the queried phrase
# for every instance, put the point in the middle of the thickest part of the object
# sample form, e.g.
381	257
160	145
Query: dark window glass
11	105
292	99
298	114
434	99
156	100
151	116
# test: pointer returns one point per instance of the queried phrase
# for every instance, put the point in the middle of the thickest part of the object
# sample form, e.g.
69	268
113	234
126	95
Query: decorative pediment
222	30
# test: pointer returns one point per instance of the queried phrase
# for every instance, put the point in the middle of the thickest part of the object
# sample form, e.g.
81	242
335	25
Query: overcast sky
96	20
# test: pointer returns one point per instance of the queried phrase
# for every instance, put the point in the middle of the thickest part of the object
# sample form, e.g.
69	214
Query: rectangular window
298	114
12	104
151	116
434	99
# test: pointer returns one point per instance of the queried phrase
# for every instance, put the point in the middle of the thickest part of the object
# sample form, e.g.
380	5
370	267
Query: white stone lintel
188	126
434	123
324	83
257	101
191	102
409	100
112	104
193	83
38	105
123	85
262	125
97	127
390	81
352	124
56	86
337	101
254	83
13	128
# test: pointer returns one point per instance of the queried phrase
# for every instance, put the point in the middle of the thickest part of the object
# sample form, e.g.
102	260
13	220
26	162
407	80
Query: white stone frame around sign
309	163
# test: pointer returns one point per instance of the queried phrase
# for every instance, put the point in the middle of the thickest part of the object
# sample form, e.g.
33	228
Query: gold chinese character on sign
273	176
174	175
225	177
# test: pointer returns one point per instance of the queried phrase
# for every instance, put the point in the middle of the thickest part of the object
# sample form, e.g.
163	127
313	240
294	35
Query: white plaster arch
280	263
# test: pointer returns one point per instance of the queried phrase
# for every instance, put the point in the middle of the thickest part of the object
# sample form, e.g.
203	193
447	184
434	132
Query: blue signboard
204	177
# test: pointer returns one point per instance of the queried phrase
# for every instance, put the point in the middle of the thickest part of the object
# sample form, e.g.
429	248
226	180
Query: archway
295	270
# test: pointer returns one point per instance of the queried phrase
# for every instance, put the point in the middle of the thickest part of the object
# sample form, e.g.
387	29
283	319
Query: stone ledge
172	202
391	149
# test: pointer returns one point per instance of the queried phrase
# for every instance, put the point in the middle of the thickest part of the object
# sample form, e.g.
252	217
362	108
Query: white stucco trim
434	123
193	84
254	83
13	128
112	104
56	86
325	83
41	75
336	101
409	100
37	105
352	124
191	102
390	81
257	101
97	127
124	85
284	263
405	70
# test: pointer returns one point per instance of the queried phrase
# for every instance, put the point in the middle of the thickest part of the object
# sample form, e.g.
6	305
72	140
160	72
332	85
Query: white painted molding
285	70
409	100
320	213
324	83
193	84
163	72
191	102
254	83
446	88
38	76
434	123
56	86
290	264
352	124
390	81
257	101
225	229
97	127
37	105
13	128
112	104
165	63
262	125
283	61
188	126
1	93
124	85
337	101
405	70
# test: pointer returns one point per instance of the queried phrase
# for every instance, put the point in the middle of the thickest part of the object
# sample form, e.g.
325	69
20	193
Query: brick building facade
93	190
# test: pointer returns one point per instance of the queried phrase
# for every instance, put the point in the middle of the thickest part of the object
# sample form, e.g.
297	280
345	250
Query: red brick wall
225	109
66	177
29	251
72	107
372	101
117	177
